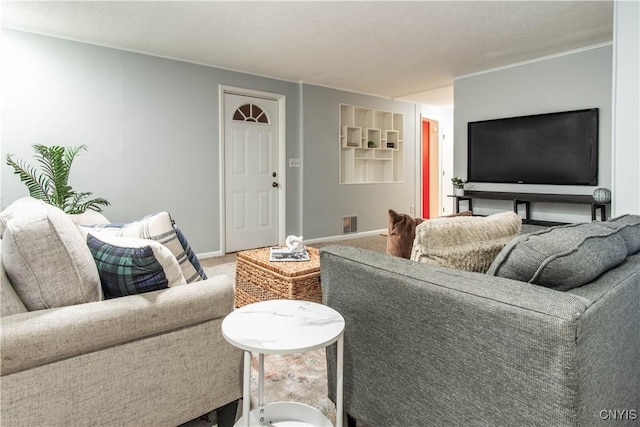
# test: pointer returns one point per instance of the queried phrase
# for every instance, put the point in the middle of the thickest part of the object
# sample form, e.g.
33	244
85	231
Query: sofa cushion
130	266
465	242
562	257
402	232
10	303
629	228
89	217
47	260
161	228
20	206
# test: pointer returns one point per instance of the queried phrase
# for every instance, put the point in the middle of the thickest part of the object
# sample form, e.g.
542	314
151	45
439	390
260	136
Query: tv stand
527	198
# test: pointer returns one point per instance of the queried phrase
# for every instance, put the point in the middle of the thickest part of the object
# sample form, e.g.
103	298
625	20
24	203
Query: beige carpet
292	377
228	269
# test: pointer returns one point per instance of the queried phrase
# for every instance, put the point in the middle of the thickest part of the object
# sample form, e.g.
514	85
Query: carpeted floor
293	377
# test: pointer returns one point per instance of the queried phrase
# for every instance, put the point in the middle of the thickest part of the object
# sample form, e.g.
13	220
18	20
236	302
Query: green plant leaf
52	183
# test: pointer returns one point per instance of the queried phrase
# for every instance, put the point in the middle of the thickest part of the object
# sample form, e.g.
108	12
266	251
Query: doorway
252	151
430	169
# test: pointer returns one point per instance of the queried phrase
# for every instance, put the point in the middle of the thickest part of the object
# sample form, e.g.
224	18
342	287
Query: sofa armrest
39	337
466	348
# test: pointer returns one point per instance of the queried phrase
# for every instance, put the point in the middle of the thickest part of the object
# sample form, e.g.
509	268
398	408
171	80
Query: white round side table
284	327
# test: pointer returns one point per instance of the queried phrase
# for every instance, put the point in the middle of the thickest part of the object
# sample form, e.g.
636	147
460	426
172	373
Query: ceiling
401	50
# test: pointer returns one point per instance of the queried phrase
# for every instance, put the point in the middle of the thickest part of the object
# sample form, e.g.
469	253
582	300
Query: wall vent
349	224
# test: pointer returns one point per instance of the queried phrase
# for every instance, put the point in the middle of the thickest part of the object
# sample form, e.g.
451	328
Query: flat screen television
555	148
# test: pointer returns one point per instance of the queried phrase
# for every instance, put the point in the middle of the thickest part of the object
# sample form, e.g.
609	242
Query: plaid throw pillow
161	228
130	266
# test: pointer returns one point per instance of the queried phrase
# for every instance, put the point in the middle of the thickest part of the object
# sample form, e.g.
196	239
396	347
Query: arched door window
250	113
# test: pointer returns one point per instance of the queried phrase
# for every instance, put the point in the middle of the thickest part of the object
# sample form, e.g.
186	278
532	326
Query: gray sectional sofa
434	346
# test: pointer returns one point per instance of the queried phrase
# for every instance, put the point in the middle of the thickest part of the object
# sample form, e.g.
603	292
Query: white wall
626	93
572	81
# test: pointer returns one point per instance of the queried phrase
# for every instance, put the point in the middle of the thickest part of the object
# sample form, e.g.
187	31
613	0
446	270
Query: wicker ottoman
258	279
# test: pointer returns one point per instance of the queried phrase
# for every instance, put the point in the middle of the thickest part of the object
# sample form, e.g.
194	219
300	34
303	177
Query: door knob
274	184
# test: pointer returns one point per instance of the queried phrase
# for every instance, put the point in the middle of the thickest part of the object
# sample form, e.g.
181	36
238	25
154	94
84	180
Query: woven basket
258	279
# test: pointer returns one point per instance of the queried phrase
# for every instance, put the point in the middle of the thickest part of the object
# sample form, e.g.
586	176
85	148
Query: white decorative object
294	243
284	327
602	195
459	192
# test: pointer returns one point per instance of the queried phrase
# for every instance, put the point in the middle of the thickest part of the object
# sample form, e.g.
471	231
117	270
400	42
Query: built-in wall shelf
370	145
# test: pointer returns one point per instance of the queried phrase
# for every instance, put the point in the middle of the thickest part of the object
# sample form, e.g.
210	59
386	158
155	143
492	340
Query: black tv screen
555	148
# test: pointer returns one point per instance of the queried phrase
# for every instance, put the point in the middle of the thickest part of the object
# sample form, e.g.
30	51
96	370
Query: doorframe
282	157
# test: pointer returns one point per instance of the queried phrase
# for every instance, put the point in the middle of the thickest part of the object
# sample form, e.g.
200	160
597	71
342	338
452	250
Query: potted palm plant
51	183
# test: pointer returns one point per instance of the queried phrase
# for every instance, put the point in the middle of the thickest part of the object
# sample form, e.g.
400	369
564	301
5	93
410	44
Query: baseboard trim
205	255
345	236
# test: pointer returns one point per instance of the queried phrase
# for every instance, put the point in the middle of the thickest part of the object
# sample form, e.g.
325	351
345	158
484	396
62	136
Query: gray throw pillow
562	257
629	228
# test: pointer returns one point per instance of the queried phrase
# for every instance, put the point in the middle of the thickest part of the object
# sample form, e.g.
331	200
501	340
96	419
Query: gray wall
325	200
152	127
568	82
151	124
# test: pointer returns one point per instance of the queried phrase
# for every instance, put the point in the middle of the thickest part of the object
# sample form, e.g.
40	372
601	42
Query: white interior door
251	172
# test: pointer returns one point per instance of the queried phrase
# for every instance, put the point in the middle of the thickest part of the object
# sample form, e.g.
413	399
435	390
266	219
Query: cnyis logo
617	414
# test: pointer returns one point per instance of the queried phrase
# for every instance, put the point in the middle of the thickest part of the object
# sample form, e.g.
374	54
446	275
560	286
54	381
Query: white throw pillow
466	242
161	228
88	217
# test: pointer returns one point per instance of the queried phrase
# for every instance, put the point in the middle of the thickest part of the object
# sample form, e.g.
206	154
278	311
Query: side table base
286	414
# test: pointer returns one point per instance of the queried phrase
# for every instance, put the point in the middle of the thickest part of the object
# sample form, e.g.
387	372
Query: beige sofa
156	358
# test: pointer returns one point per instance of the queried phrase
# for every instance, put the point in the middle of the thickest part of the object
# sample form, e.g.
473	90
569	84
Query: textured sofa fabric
401	229
465	242
561	257
628	227
157	358
433	346
10	302
42	246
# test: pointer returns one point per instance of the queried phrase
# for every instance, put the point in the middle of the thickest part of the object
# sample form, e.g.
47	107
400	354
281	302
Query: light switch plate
294	163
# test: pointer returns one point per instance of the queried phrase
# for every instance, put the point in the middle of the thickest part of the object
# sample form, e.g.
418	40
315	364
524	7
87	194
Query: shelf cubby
372	136
351	136
382	162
